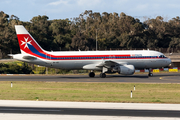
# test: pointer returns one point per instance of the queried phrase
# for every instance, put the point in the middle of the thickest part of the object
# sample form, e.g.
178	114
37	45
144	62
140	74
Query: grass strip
90	92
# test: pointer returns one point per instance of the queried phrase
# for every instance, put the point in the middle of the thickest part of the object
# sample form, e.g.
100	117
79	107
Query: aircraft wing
110	63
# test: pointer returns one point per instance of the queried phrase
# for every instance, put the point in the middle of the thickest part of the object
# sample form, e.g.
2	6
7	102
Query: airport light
96	39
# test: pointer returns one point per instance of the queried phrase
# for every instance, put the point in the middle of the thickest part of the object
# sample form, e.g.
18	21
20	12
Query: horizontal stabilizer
10	55
29	57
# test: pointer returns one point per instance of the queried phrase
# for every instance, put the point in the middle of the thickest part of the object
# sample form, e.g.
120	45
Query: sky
25	10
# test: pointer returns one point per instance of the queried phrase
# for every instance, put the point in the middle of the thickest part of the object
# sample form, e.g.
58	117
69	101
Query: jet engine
126	69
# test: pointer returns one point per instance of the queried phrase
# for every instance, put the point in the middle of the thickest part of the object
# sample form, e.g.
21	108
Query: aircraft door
48	60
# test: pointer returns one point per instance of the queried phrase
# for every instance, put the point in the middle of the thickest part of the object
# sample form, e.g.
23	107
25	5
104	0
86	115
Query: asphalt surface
137	78
89	111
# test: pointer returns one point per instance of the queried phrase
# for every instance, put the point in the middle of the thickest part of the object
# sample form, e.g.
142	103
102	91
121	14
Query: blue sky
62	9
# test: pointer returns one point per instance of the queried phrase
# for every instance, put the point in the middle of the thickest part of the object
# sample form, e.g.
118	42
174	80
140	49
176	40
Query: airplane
122	61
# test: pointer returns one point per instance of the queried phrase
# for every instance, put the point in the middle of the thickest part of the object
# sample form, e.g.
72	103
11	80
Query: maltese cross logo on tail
26	42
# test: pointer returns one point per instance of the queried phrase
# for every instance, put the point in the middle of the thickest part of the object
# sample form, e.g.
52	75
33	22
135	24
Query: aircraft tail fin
27	43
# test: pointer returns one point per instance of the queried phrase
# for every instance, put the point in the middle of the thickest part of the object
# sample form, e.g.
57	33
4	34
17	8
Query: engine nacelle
126	69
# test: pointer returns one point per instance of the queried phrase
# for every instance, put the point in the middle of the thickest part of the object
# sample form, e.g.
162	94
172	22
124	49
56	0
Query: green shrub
15	69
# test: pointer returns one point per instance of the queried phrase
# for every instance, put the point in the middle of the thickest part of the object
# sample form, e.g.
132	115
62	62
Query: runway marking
166	78
31	110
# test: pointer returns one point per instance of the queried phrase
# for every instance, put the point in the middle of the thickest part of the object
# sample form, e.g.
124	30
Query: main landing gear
102	75
150	74
91	74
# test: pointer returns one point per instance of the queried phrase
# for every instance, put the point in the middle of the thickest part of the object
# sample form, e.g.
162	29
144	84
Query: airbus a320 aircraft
124	61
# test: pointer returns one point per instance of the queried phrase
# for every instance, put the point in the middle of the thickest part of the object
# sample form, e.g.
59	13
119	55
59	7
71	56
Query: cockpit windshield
162	56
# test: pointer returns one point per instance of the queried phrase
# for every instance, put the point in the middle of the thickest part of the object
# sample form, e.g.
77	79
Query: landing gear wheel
150	74
91	74
102	75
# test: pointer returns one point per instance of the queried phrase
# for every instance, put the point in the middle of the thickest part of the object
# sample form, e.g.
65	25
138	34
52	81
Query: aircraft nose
169	61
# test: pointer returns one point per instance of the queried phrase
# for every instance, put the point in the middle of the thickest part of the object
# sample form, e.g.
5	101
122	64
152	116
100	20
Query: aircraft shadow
97	76
120	76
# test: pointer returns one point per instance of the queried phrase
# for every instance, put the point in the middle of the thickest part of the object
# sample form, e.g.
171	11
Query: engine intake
126	69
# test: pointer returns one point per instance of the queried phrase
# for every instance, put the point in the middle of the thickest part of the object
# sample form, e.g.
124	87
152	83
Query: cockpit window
162	56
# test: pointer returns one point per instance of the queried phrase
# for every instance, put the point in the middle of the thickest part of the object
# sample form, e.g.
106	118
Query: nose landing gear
150	74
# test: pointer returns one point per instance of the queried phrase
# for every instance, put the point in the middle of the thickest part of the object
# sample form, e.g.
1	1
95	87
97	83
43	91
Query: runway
137	78
45	110
89	109
99	112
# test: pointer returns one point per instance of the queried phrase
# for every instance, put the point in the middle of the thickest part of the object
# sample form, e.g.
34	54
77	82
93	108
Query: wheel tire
91	74
150	74
102	75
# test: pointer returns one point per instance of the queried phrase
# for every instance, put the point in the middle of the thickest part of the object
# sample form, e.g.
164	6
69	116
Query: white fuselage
74	59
